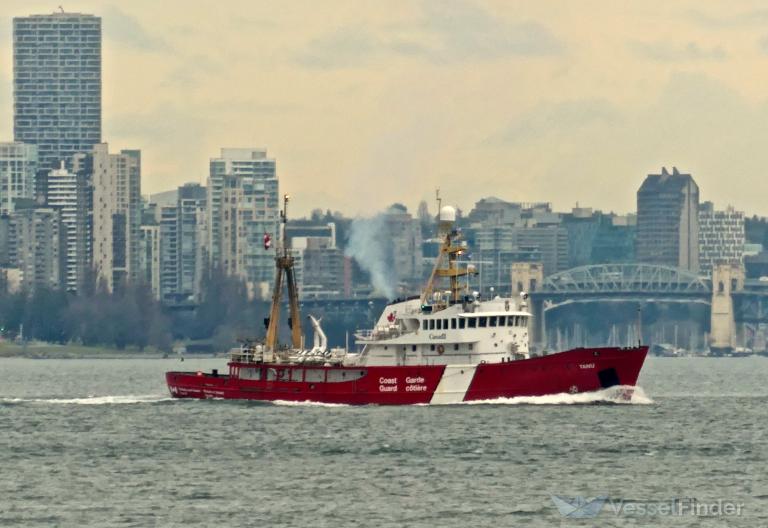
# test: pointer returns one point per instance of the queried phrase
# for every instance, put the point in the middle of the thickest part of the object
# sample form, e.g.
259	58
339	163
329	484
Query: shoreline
48	351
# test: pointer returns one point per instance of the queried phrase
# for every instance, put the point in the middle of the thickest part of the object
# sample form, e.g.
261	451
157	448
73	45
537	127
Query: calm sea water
99	443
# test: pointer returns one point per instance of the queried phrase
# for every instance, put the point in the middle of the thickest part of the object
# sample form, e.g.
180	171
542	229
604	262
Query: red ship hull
574	371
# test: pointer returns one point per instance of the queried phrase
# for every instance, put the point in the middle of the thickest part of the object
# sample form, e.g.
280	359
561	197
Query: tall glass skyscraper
57	85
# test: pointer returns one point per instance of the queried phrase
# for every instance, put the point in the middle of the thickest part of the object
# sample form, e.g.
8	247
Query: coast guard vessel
444	346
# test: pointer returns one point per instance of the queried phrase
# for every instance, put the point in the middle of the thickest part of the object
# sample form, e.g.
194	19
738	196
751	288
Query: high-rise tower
668	220
57	85
242	207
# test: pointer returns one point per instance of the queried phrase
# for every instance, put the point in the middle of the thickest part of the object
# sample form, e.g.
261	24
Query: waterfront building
721	237
149	257
18	165
322	262
239	163
181	221
246	215
116	214
404	239
550	240
668	220
614	241
505	232
168	223
68	193
5	241
242	206
37	243
57	84
493	210
192	250
595	237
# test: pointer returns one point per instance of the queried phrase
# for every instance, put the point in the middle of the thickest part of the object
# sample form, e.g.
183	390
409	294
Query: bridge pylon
726	279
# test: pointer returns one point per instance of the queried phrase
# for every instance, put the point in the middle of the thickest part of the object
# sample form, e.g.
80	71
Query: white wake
306	403
613	395
94	400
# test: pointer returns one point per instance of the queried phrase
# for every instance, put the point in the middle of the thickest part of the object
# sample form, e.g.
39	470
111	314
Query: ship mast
450	249
284	264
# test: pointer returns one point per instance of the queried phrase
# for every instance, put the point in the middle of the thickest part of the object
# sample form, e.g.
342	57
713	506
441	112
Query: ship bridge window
471	322
445	324
424	324
462	323
277	374
431	324
439	324
337	376
314	375
250	373
297	374
483	322
453	324
511	320
492	320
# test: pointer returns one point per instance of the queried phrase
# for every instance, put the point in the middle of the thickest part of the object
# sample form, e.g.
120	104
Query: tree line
127	317
130	316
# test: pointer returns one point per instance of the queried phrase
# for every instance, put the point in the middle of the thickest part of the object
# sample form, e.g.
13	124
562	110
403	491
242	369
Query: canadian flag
267	241
391	317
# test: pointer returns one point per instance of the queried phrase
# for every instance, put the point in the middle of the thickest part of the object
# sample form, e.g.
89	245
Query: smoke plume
370	246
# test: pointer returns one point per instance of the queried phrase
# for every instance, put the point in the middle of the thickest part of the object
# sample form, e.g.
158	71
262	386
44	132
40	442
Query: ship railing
364	335
247	354
379	333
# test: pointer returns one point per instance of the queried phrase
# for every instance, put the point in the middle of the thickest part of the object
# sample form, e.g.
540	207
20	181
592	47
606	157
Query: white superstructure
468	332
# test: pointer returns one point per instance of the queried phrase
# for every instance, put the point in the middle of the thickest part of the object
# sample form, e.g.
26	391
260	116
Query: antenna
284	215
438	199
61	9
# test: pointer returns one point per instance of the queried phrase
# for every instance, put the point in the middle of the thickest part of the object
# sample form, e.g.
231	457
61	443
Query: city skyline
527	103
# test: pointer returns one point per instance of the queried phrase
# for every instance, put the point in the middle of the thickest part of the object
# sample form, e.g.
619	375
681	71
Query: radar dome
448	214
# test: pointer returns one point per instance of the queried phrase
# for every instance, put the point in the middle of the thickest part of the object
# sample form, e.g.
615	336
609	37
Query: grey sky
367	103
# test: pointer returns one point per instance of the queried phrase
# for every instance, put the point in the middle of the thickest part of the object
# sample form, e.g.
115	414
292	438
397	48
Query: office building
668	220
595	237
